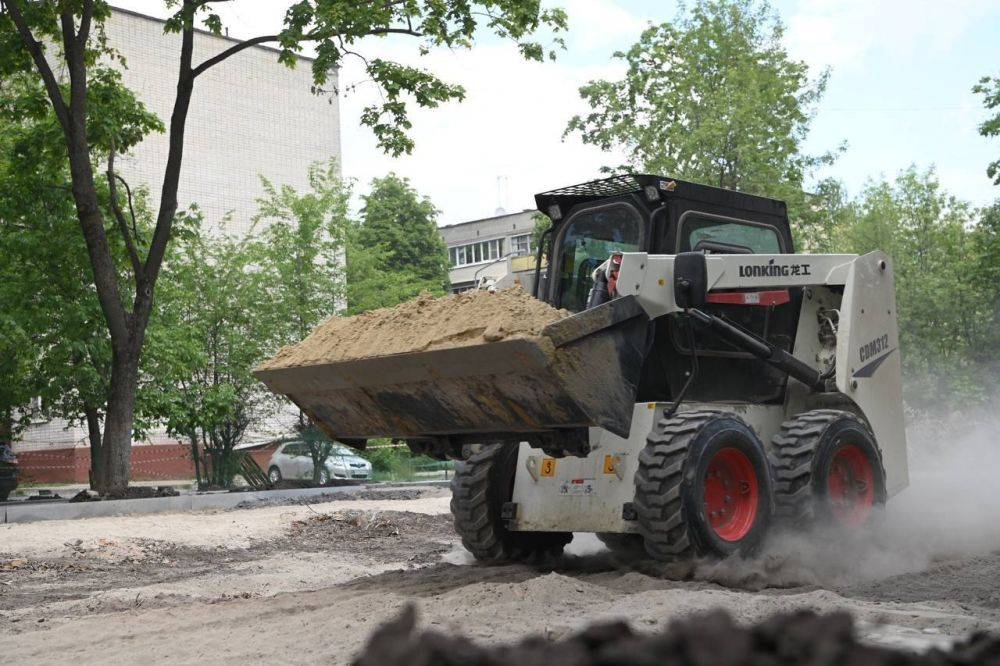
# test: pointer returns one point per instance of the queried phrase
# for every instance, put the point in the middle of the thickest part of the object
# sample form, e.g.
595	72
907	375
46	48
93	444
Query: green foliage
396	217
338	29
210	330
227	305
320	446
396	251
542	224
397	463
304	241
714	98
946	258
989	88
56	344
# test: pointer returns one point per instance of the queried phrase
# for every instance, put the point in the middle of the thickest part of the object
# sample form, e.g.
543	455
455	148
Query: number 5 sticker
548	467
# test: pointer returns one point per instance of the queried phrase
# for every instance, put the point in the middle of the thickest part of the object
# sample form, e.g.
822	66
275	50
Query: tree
712	97
985	274
989	88
945	300
47	37
304	238
303	250
395	251
214	309
397	218
57	347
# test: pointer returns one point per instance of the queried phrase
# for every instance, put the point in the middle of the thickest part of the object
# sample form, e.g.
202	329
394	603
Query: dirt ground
307	583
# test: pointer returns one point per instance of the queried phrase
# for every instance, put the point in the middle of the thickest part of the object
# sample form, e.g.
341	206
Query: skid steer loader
711	384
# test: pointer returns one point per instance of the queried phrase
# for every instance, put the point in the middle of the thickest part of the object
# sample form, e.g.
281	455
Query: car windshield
342	451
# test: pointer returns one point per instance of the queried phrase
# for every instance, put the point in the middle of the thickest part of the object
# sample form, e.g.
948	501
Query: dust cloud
950	511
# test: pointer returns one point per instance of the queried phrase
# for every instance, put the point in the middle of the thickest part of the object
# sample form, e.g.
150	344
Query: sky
899	93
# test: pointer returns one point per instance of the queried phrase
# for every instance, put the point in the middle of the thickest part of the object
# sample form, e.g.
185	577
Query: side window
589	238
741	236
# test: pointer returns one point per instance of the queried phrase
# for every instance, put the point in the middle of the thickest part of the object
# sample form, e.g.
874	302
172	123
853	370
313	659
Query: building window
476	253
520	244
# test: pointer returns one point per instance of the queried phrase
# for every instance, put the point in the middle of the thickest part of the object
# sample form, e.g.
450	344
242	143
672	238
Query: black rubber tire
801	455
669	485
482	484
629	545
4	494
273	481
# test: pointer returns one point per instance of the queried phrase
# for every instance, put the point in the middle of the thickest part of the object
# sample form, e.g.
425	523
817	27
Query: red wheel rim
850	485
731	494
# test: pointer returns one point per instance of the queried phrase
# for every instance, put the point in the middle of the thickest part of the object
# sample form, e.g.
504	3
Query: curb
34	512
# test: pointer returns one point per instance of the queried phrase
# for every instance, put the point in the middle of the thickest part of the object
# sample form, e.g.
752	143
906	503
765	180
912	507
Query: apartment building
487	250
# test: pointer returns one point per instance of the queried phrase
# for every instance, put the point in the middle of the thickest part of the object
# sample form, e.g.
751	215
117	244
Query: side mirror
690	279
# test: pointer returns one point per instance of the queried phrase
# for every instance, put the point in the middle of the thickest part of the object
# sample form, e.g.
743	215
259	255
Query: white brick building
249	116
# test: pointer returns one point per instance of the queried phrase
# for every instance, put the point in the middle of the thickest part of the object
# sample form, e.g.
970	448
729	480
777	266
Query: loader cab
660	215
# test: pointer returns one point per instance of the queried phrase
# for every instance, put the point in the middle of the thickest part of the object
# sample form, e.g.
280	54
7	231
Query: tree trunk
96	439
196	458
7	426
116	449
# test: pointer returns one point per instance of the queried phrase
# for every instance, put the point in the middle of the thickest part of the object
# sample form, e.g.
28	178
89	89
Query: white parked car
291	461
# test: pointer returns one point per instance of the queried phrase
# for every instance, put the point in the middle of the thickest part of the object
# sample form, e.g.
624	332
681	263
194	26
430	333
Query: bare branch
41	64
133	252
231	51
175	156
396	31
131	207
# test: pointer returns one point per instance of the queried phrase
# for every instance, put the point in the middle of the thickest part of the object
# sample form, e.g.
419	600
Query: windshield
755	238
342	451
590	237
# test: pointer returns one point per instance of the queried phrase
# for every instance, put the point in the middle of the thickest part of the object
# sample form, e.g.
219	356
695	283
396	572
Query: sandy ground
309	583
228	529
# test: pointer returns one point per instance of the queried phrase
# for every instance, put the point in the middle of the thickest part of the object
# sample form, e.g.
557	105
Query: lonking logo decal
774	270
873	354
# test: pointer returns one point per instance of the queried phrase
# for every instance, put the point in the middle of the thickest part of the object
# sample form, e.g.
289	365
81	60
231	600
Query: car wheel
274	475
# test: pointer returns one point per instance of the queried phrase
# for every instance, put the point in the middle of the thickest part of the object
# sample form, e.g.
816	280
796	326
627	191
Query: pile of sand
470	318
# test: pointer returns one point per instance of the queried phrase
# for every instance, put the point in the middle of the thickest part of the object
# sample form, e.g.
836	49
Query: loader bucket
580	371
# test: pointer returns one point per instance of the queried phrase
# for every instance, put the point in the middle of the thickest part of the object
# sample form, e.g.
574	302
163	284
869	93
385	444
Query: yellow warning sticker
548	467
609	464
